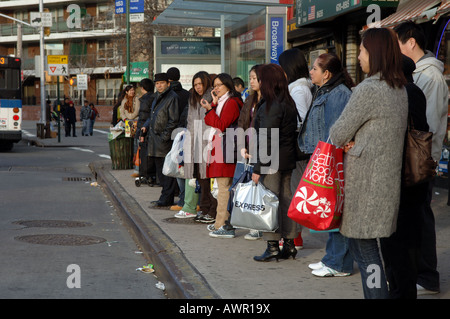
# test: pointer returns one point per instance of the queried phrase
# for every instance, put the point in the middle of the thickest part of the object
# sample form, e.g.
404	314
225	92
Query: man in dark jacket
183	99
70	119
164	118
147	167
183	95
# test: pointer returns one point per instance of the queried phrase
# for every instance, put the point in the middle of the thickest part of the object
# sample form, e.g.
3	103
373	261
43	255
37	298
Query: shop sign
276	37
138	71
309	11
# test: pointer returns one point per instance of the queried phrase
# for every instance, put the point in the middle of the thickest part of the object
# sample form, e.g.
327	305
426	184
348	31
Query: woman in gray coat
372	129
193	148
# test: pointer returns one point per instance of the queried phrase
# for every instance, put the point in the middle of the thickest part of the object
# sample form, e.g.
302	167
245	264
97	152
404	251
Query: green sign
138	71
310	11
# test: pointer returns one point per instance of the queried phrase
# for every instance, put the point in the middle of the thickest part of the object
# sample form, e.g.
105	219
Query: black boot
272	251
288	249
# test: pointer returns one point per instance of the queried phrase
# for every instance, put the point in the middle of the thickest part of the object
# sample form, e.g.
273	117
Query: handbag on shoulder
419	166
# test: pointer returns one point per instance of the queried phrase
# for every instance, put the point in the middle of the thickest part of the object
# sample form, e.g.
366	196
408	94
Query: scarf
129	105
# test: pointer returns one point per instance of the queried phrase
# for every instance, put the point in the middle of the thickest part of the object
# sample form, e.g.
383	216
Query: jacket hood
429	60
301	81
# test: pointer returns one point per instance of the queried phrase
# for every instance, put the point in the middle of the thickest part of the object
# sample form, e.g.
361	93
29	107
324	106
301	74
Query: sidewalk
224	268
193	265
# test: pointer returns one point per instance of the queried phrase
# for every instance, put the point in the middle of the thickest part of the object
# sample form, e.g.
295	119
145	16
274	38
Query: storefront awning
443	9
412	10
209	13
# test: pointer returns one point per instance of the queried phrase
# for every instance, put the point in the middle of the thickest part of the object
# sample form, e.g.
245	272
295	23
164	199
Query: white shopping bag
173	163
255	207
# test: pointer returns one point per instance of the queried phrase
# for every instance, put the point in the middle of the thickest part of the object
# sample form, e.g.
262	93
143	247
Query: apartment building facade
95	46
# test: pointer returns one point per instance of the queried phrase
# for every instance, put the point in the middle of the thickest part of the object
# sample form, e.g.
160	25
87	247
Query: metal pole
128	41
42	75
222	42
58	110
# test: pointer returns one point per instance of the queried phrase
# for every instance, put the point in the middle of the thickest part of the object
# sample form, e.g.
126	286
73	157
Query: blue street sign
136	6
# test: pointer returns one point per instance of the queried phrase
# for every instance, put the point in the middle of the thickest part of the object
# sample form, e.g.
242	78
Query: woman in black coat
401	250
277	113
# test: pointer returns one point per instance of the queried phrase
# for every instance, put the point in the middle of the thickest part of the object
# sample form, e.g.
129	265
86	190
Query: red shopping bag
318	201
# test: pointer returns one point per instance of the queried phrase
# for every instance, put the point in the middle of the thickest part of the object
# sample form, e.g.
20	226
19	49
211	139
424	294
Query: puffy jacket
328	103
164	117
146	102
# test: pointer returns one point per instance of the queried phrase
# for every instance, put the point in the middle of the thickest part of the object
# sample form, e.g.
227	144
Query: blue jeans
181	186
337	255
366	254
85	128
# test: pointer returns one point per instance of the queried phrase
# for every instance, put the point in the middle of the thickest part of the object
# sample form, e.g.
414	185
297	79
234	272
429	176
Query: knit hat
173	74
161	77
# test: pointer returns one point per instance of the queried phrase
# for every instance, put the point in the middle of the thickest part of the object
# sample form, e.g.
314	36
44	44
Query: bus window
2	79
15	80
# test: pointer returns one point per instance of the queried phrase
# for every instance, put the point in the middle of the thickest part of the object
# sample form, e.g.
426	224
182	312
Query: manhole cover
52	223
184	221
77	179
61	239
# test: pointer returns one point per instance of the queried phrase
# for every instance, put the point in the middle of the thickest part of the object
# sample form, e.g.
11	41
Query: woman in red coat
221	114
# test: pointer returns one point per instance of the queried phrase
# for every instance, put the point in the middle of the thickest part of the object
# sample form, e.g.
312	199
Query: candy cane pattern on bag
321	206
306	201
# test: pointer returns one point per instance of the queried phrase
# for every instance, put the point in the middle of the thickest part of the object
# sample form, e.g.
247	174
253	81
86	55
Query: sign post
58	65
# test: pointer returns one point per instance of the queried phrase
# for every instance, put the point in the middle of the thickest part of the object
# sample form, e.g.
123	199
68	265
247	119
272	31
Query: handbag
242	174
299	154
319	198
254	207
419	166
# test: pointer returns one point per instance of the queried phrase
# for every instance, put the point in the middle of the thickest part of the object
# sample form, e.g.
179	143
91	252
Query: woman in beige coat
373	126
193	148
129	108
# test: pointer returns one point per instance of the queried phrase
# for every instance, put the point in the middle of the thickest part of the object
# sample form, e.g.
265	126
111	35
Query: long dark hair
384	55
195	98
331	63
274	85
294	64
254	97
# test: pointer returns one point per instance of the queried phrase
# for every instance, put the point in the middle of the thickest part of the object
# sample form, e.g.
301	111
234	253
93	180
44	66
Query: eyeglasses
217	85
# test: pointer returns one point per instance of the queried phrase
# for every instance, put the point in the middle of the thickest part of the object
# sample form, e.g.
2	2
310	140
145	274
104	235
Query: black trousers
169	184
69	126
402	251
428	274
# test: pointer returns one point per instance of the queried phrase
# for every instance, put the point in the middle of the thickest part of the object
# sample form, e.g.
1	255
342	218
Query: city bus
10	102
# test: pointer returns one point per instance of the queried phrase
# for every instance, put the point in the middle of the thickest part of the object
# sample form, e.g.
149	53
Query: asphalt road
61	236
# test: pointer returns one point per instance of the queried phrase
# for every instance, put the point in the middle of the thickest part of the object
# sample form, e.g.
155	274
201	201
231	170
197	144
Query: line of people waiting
368	120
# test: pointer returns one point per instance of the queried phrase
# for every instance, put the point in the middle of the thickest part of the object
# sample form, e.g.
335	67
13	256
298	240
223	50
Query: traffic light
72	81
47	31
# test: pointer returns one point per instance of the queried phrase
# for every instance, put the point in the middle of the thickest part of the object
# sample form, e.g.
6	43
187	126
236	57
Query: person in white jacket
295	66
427	76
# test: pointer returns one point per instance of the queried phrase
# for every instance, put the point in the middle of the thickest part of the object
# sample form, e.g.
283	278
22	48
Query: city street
61	236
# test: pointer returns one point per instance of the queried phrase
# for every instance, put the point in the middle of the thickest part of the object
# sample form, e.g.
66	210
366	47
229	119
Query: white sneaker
316	266
329	272
421	291
183	214
253	235
211	227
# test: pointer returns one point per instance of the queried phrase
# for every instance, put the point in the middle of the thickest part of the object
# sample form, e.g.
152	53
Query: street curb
180	277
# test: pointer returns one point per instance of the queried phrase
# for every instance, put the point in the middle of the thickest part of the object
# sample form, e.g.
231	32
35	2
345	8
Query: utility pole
128	41
42	71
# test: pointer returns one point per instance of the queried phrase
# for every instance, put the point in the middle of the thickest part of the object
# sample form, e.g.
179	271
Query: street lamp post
42	70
